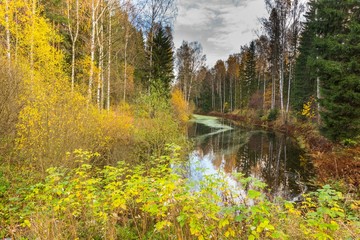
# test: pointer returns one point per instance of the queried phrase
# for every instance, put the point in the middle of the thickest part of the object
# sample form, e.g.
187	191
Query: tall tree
330	45
262	46
163	60
338	39
233	75
305	73
73	24
220	75
272	27
250	69
156	12
189	60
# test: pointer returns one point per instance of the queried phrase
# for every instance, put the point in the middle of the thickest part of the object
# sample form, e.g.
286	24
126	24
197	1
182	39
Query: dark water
273	158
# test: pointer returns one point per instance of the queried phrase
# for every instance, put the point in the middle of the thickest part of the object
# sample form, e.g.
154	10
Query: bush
155	127
181	107
156	203
273	115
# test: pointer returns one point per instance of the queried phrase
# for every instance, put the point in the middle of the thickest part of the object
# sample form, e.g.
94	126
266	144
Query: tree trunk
190	88
318	96
125	63
73	37
289	89
264	93
109	59
100	88
7	29
281	84
92	49
224	101
273	92
231	94
33	11
212	94
220	95
235	94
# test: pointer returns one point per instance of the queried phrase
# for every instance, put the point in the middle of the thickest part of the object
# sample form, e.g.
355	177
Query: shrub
156	203
273	115
181	107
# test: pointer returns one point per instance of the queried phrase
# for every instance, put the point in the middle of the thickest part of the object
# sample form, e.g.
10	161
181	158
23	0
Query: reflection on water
273	158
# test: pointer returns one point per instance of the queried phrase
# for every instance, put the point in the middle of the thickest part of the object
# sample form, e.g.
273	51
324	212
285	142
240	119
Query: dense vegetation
92	122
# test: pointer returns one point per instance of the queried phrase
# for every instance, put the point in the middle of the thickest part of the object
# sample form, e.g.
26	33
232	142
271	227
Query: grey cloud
246	31
217	25
192	3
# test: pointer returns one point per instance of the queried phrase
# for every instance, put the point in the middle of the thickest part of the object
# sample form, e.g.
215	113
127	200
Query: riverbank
333	163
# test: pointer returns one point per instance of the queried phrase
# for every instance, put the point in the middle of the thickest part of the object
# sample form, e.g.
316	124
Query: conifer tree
250	70
339	67
330	53
163	60
304	86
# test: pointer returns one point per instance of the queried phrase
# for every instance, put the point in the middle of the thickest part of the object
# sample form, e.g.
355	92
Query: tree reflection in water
270	157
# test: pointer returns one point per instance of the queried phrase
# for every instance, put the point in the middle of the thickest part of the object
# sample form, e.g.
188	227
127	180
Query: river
273	158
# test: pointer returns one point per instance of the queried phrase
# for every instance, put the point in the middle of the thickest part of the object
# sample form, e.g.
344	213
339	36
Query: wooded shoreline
332	162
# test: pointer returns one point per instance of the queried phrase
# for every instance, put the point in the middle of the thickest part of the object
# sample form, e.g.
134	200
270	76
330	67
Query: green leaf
251	237
252	194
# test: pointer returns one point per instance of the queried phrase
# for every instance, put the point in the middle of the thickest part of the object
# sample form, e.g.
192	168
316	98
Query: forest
95	105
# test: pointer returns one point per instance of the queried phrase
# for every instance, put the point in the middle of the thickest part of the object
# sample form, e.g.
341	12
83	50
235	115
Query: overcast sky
221	26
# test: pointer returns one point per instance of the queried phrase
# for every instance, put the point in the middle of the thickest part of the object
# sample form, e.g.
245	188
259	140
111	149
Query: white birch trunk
125	62
264	99
281	83
33	11
73	37
273	92
109	60
7	29
92	49
289	89
100	86
231	94
213	95
190	88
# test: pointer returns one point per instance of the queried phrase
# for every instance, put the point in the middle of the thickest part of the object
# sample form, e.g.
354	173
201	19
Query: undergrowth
127	202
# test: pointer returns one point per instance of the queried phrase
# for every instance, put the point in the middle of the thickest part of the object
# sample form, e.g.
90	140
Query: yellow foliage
54	120
308	110
181	107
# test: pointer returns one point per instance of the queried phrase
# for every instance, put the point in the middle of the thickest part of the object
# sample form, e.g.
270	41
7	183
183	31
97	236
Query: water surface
273	158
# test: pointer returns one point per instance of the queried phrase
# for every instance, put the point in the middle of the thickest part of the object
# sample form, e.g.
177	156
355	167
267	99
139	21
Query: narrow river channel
274	158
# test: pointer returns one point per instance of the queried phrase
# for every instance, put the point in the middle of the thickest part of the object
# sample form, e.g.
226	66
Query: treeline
305	63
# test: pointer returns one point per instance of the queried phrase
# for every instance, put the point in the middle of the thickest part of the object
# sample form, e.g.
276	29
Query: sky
221	26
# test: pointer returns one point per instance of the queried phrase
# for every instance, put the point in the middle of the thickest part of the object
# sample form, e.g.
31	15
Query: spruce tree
330	50
163	61
250	70
304	85
338	42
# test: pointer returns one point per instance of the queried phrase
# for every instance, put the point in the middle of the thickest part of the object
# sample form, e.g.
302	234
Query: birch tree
7	30
73	29
189	60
